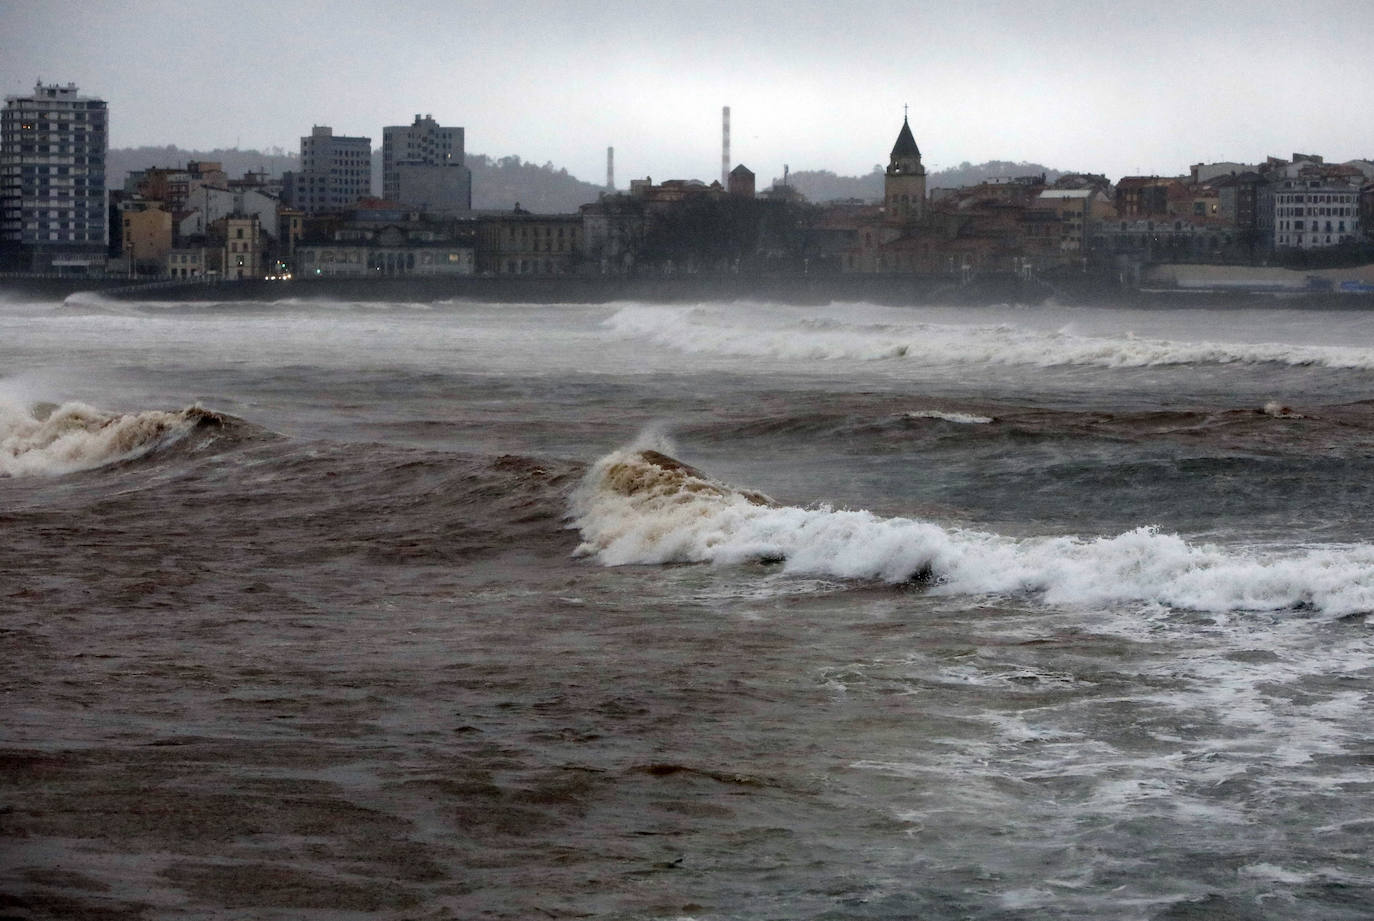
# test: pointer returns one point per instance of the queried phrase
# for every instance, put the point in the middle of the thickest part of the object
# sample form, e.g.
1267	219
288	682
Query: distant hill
120	161
500	184
824	186
497	184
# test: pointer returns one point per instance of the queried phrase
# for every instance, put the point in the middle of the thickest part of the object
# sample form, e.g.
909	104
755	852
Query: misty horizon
1111	91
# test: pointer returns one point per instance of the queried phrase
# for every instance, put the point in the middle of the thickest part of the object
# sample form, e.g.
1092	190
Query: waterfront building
1309	204
423	167
390	254
520	243
1237	197
52	181
290	227
1316	211
186	262
379	239
1071	210
335	173
243	246
1136	241
147	238
613	232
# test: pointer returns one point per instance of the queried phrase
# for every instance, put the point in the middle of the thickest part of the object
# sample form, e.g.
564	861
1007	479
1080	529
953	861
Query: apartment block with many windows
422	167
335	173
52	180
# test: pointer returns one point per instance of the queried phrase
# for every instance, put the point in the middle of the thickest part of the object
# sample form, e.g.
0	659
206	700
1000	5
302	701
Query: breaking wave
643	507
49	440
783	334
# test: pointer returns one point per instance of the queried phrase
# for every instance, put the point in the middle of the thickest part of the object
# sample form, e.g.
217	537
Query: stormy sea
326	610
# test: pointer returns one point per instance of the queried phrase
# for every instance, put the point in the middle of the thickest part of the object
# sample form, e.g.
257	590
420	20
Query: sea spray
49	440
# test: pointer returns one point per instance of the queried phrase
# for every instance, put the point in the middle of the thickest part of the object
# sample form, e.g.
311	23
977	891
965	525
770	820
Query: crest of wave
643	507
75	437
787	334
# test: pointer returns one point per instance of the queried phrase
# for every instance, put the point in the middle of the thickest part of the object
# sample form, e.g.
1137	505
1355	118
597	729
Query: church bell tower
904	186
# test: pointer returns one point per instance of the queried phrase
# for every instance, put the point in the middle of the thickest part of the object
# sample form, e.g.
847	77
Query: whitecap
788	334
644	507
49	440
957	418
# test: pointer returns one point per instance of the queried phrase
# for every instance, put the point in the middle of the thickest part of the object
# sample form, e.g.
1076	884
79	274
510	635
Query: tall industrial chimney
610	169
725	146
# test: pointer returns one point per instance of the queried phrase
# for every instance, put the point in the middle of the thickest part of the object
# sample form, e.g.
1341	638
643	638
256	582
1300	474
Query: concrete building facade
243	246
383	257
1309	204
530	244
423	167
52	180
335	173
1072	212
147	239
186	262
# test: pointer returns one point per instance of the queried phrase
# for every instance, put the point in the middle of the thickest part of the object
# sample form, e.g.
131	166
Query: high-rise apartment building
422	167
335	172
52	180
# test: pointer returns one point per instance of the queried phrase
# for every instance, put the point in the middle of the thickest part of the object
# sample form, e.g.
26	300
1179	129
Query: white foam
958	418
1275	874
75	437
632	510
791	334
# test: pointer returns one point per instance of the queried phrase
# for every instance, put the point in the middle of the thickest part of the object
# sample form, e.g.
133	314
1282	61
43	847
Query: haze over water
719	611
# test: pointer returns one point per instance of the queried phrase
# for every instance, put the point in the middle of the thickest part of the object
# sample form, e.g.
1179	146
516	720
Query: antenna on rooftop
610	169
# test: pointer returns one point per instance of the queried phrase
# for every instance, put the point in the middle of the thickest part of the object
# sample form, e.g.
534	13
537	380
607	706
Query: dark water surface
987	613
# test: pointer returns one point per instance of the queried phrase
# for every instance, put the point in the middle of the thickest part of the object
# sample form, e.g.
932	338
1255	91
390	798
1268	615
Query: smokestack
725	146
610	169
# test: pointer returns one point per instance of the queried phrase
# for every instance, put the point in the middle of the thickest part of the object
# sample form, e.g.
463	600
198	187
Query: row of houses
195	221
238	228
1218	213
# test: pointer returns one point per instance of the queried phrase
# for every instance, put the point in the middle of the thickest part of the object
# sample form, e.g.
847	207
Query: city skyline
812	86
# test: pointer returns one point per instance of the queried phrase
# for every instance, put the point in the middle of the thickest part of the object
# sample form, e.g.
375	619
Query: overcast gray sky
1112	88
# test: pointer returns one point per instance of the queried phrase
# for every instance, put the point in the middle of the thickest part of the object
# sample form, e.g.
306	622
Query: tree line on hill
824	186
500	183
